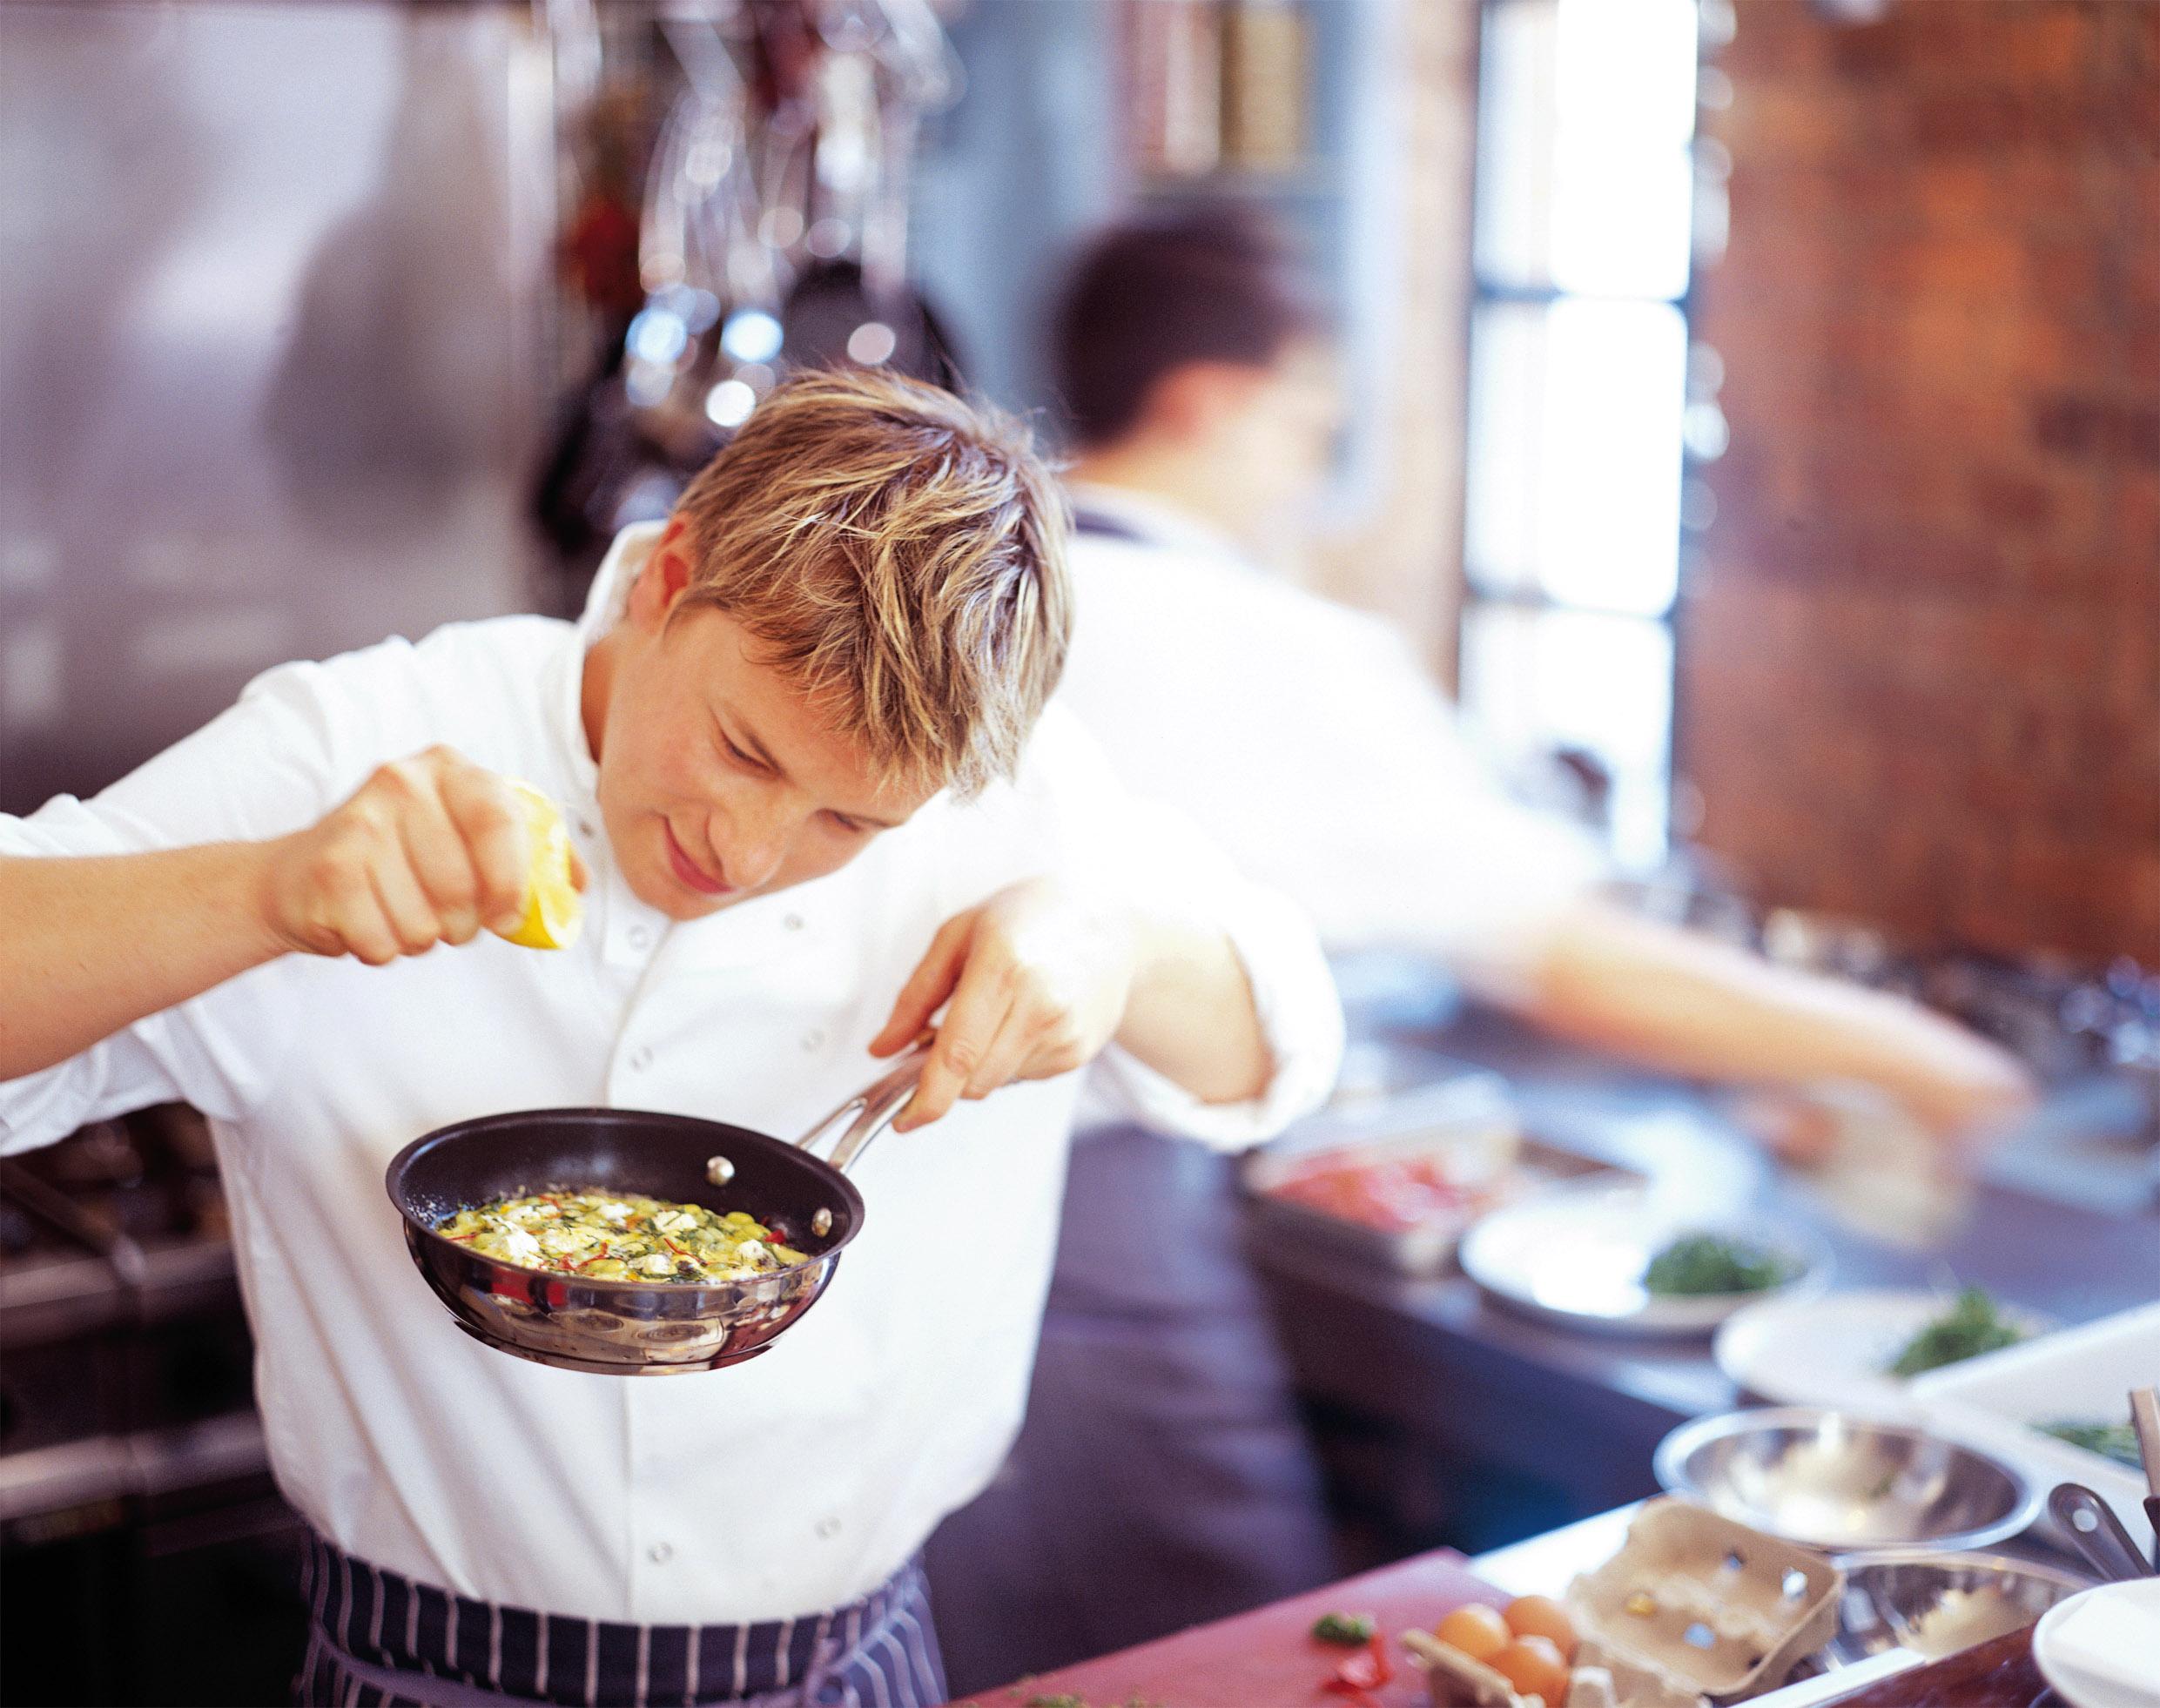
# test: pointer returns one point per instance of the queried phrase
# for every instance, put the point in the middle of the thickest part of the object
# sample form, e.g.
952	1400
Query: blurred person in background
1162	1478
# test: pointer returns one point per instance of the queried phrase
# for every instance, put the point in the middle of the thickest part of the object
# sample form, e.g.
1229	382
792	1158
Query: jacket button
659	1553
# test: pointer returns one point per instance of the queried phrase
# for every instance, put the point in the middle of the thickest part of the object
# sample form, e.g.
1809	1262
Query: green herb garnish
1973	1325
1349	1628
1704	1263
2117	1442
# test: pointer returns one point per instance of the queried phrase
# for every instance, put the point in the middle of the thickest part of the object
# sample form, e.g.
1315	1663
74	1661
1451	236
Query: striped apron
377	1640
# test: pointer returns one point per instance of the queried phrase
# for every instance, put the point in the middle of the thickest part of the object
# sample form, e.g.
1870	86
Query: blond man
800	738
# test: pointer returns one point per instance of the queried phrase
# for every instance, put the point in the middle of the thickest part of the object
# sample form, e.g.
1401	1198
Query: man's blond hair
899	554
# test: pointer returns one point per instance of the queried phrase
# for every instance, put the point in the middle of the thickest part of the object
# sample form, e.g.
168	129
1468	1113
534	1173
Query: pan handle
873	1108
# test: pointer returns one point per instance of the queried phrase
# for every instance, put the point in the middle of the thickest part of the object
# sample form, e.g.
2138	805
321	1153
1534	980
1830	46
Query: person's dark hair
1219	281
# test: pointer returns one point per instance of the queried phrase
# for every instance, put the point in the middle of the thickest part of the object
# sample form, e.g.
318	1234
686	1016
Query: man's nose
757	846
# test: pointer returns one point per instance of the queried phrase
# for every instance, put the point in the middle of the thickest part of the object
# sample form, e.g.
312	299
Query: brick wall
1921	678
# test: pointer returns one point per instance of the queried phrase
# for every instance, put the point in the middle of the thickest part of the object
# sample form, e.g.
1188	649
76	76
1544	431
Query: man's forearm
90	944
1683	1002
1190	1015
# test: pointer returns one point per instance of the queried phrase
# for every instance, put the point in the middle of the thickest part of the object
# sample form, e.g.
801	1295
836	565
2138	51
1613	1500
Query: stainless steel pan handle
873	1108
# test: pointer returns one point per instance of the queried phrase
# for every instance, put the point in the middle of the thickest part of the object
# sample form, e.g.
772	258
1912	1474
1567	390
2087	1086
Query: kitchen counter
1267	1658
1581	1413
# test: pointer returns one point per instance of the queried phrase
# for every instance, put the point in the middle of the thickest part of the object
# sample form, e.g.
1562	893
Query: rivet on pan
821	1224
719	1170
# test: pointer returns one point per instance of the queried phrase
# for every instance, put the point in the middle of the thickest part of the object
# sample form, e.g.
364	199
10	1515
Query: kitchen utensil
1851	1484
2097	1532
1840	1684
1935	1605
1699	1600
1835	1348
1574	1255
622	1328
2146	1419
2096	1649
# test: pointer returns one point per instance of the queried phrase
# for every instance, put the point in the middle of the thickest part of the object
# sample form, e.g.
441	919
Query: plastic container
1398	1184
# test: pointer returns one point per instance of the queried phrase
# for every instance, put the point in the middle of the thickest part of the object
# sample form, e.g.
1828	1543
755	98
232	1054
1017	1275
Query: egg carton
1701	1605
1457	1681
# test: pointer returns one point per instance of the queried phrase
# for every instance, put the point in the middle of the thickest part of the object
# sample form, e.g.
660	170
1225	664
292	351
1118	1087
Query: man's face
719	780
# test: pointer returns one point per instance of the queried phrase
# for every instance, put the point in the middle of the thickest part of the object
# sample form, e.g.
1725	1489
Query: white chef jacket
1306	741
796	1481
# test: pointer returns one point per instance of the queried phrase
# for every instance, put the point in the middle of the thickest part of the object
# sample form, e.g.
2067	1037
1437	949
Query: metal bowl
1846	1484
1938	1605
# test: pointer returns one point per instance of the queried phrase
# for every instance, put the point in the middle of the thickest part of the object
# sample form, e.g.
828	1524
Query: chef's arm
1190	1015
429	849
92	945
1038	980
1681	1001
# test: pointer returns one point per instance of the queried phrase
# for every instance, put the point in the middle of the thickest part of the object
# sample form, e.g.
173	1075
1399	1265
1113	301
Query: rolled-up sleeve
1160	851
269	764
1300	1014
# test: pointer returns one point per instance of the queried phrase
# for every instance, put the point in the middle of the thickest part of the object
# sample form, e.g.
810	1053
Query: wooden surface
1268	1659
2000	1674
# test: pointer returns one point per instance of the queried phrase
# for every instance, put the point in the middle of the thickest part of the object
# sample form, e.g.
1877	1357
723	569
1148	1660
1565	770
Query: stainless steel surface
271	344
1935	1605
871	1110
2100	1535
1841	1683
1845	1483
123	1467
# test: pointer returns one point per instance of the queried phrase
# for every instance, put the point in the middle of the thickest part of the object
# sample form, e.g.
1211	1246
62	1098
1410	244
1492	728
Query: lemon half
555	912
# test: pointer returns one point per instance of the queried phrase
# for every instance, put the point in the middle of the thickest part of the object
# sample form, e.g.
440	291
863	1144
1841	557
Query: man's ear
665	573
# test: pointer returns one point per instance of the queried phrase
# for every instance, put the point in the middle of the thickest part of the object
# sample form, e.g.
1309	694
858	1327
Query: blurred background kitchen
1755	420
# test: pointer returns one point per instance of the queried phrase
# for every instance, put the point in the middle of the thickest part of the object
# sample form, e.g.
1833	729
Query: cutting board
1268	1659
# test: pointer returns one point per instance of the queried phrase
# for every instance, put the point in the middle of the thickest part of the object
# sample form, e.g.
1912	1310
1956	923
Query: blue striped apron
377	1640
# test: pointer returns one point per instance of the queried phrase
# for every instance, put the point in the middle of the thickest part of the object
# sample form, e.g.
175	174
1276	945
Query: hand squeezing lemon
554	911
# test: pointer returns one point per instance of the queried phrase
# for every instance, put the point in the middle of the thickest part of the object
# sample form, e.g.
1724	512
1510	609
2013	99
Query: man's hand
430	849
1039	979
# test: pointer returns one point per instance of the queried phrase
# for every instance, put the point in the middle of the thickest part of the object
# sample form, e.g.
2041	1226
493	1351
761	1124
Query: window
1588	211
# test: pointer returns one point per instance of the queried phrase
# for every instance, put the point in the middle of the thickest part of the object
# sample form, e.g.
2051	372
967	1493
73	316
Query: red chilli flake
1362	1672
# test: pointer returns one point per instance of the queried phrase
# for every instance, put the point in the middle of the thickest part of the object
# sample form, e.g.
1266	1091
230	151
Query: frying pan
627	1328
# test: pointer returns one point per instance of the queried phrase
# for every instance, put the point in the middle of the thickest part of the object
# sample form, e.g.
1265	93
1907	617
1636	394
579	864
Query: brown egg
1534	1667
1541	1615
1479	1632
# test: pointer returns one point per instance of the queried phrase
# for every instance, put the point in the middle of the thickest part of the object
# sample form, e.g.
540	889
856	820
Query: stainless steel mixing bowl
1844	1483
1937	1605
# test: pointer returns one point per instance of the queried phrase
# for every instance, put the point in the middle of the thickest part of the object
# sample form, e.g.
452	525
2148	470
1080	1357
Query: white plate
1835	1349
2121	1621
1575	1254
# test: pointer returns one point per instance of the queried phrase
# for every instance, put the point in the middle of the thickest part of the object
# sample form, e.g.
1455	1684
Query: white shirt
792	1483
1306	741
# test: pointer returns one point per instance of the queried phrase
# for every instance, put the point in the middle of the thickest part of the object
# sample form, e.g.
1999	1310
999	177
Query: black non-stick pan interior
625	1150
